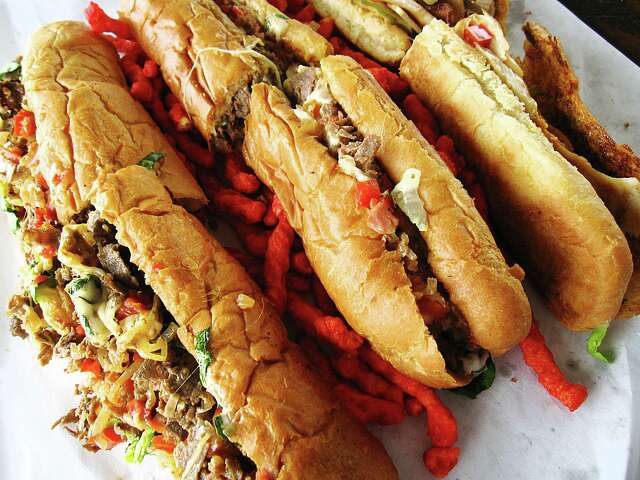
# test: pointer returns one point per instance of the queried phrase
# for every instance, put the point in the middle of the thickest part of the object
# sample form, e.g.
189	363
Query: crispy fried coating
555	87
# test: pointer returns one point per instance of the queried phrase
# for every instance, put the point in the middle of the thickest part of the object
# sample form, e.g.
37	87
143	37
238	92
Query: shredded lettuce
480	383
203	355
594	342
405	194
221	425
149	162
139	447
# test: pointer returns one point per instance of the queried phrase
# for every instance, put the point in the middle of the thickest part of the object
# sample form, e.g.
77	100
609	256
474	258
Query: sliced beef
63	275
15	327
364	156
11	93
302	84
241	103
115	259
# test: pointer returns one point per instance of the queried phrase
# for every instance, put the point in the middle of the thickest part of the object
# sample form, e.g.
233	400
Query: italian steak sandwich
413	267
187	358
546	211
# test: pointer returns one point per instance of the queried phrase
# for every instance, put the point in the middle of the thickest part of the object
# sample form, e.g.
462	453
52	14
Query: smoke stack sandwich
379	211
548	214
123	279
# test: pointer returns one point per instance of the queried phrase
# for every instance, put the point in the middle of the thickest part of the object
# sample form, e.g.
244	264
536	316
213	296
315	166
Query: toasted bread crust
304	42
77	92
547	212
285	419
370	32
186	38
462	251
367	282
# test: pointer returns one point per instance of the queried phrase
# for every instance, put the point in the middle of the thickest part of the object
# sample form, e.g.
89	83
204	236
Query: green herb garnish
594	342
218	423
139	447
149	162
203	355
480	383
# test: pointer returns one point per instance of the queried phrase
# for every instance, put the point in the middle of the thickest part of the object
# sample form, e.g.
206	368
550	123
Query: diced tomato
129	386
158	266
477	35
431	309
136	408
134	303
91	365
367	192
111	435
42	182
136	357
25	124
41	279
44	214
80	330
306	15
325	27
59	177
445	144
49	251
12	154
160	443
381	218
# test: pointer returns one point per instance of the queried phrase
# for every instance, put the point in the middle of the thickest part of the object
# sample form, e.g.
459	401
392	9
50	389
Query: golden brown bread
88	125
284	418
368	30
555	87
367	282
188	39
462	251
549	215
304	42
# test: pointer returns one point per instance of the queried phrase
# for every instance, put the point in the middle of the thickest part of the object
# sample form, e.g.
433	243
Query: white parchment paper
513	431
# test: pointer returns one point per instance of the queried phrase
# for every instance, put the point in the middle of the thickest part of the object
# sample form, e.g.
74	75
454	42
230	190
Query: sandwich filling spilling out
81	299
395	213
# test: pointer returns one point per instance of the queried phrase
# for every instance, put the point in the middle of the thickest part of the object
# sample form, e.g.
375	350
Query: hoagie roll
209	62
548	214
345	244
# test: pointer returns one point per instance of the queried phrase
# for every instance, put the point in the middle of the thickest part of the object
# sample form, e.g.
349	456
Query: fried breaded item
555	87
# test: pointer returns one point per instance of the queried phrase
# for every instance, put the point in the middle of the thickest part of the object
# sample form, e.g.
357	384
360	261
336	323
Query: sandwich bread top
282	416
548	213
88	125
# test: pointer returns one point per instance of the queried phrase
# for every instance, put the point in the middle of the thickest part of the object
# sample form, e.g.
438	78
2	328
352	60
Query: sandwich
547	213
209	62
384	29
612	169
186	357
379	211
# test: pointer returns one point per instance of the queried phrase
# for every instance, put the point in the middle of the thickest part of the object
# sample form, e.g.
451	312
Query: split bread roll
74	86
209	62
367	282
548	214
461	249
363	25
284	418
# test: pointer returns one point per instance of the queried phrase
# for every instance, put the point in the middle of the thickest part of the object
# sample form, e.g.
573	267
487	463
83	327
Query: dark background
616	20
